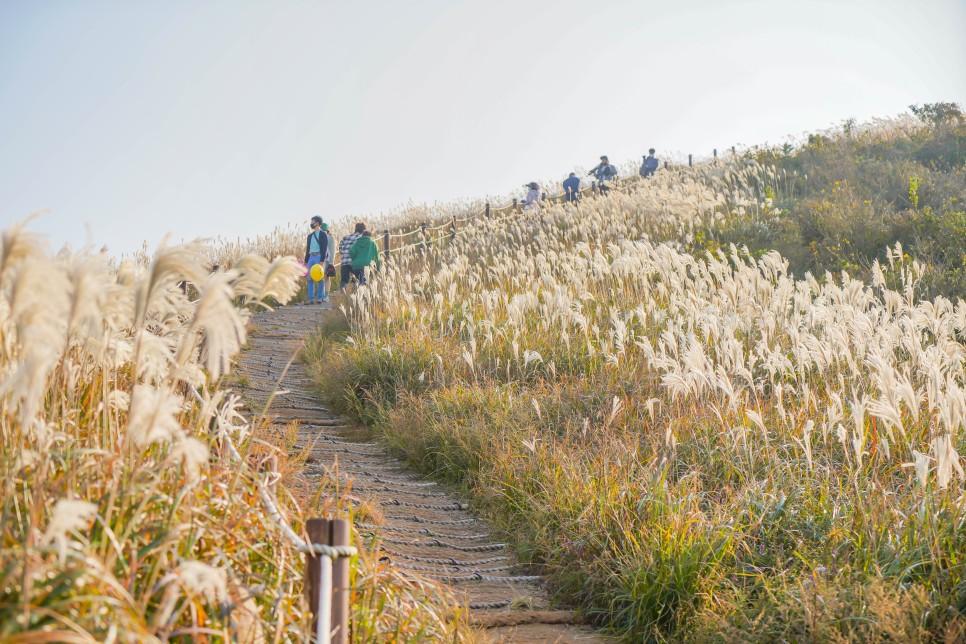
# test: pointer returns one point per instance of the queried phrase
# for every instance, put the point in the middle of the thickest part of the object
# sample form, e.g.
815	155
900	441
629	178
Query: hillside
694	435
726	403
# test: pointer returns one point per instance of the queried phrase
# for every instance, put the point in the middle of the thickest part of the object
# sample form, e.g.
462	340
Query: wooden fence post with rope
327	581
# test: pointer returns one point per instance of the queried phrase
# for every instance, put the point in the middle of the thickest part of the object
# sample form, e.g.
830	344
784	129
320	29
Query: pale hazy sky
230	117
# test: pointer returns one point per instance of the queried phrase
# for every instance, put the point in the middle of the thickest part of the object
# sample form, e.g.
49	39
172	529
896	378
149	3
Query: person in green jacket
363	251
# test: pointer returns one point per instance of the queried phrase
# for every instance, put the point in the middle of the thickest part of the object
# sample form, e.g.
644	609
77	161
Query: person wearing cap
532	200
650	164
316	250
603	172
571	186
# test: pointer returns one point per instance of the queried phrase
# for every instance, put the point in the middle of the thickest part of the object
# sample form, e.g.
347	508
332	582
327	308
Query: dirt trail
426	529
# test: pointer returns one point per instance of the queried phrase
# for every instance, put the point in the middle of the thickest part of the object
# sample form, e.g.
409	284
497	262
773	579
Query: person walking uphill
363	252
571	187
316	251
346	263
604	172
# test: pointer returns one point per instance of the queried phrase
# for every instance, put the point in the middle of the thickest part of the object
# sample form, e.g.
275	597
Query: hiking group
357	251
603	173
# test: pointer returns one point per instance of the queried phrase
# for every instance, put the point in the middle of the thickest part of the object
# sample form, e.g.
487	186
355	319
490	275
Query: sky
125	121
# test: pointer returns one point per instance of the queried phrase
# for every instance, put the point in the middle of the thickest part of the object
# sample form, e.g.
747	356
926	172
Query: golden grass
686	444
125	515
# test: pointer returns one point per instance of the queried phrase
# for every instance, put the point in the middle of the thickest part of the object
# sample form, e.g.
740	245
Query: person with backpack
363	252
604	172
650	165
316	251
346	263
571	186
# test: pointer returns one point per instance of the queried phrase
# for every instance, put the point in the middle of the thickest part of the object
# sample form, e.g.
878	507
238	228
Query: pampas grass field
697	405
693	442
132	504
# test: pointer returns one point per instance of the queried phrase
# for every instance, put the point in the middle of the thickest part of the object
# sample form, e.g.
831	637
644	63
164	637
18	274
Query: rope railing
510	209
325	557
401	235
488	212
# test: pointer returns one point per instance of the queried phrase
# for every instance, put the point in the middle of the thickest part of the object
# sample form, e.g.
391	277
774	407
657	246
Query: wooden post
690	161
385	243
716	156
487	209
423	226
515	209
318	531
665	165
340	584
335	608
452	228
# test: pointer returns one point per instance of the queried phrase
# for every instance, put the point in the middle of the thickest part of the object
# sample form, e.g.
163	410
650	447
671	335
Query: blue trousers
315	289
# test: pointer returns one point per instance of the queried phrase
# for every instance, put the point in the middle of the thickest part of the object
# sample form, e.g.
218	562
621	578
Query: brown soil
420	524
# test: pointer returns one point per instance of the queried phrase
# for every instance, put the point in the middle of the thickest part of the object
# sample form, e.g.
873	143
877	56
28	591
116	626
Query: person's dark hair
366	233
316	219
360	227
573	174
651	151
603	158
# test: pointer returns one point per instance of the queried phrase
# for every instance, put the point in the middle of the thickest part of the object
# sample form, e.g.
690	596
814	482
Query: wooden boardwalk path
425	528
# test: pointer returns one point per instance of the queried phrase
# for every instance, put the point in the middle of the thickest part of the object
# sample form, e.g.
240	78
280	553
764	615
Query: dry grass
687	444
124	515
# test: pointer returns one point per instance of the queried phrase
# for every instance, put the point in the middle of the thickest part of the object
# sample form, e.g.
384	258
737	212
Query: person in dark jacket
346	264
650	164
316	251
362	253
571	187
604	172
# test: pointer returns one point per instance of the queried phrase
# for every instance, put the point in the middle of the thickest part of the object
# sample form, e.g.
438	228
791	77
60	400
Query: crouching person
363	252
